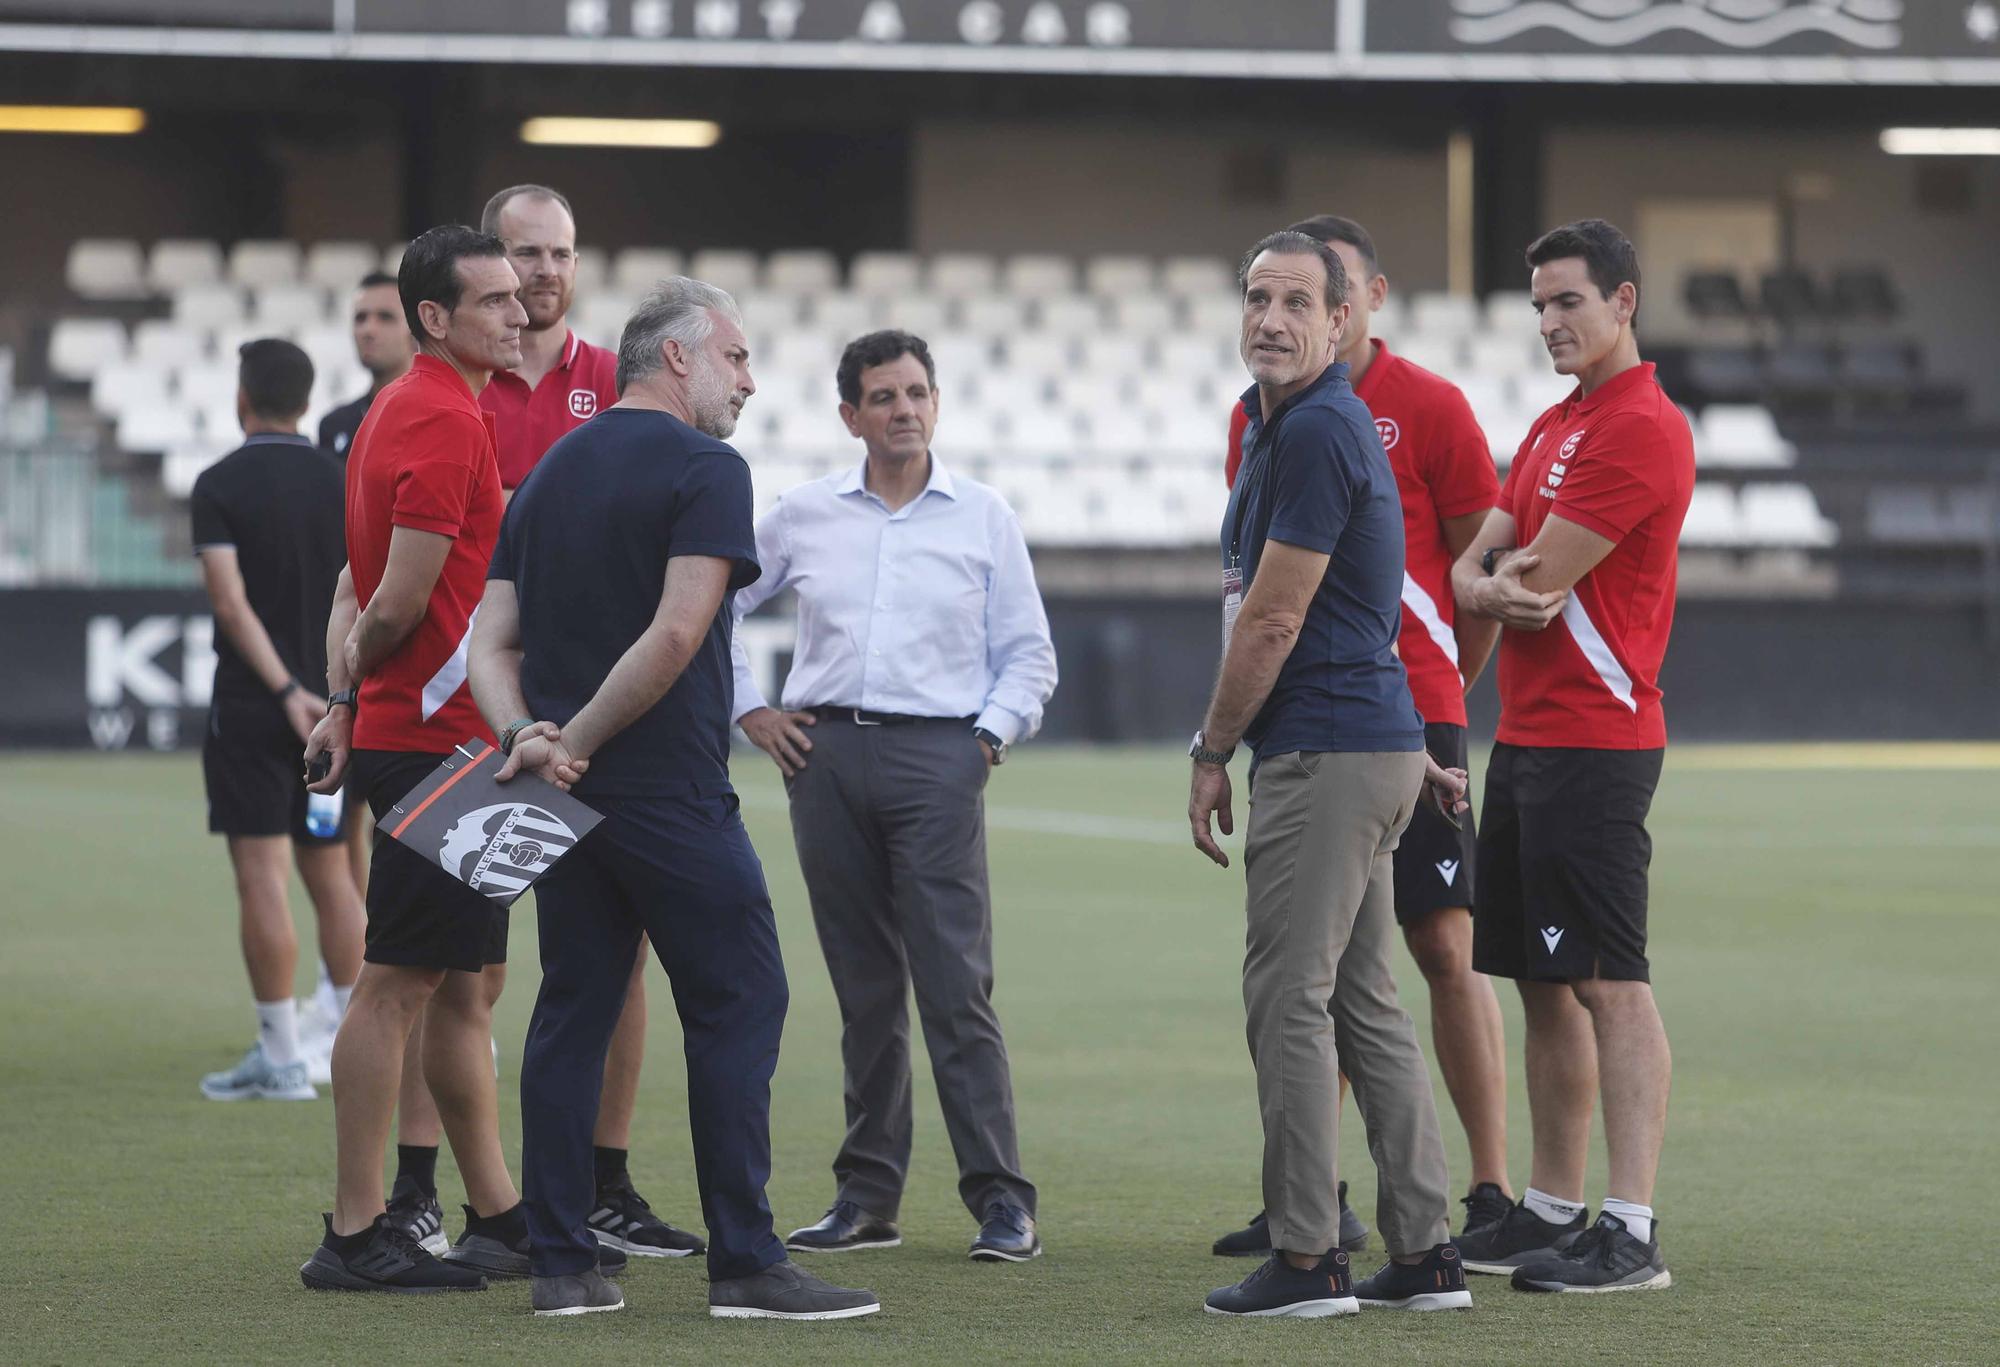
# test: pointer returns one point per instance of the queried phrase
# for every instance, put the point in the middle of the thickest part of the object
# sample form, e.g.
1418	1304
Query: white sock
1552	1208
341	996
278	1030
325	1000
1636	1218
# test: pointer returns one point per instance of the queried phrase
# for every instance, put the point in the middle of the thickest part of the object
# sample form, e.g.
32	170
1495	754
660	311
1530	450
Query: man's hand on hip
778	735
1208	796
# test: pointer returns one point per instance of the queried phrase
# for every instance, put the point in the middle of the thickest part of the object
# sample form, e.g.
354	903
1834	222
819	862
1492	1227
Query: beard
709	397
544	312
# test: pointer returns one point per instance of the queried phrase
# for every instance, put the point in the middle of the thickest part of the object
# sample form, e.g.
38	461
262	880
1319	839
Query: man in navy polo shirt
602	658
1312	546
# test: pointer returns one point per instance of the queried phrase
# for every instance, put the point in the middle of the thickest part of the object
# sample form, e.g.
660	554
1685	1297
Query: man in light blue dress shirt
923	654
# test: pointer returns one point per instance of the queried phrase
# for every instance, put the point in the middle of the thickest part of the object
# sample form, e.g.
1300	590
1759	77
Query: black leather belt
861	717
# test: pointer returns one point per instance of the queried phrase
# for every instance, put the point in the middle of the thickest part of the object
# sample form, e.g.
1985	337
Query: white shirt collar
855	481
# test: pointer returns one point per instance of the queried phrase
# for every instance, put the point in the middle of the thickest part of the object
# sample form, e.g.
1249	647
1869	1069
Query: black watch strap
346	697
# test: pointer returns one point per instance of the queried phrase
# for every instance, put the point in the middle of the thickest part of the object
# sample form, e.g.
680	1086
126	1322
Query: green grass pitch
1826	939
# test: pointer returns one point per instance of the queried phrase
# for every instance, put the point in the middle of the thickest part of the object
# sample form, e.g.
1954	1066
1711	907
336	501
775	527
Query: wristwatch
513	733
346	697
1490	561
1201	754
998	746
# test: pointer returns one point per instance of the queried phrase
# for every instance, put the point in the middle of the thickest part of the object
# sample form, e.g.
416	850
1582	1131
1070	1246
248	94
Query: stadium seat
1215	315
339	266
1800	370
1445	315
768	311
1486	393
726	270
1743	435
801	432
183	463
959	356
1881	369
1863	294
1111	356
1790	296
80	347
228	341
286	310
256	263
600	320
1503	355
1391	322
1114	433
220	428
392	257
166	345
1069	315
593	268
1441	354
1506	428
126	385
1784	515
1008	390
967	432
155	427
1715	296
1726	374
1510	313
993	315
1039	276
842	315
802	272
1712	518
1046	355
177	262
106	268
206	385
1039	432
637	269
1206	355
1107	276
926	315
1142	316
208	306
885	274
958	274
803	351
1190	276
1542	388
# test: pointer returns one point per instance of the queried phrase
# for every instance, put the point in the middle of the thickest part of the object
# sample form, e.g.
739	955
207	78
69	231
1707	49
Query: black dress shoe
1007	1236
846	1228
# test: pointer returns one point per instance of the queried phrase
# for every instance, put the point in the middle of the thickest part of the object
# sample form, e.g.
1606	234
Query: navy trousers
683	871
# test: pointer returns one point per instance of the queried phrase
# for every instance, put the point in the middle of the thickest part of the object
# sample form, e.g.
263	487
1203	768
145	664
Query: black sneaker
586	1293
786	1291
1007	1235
1521	1237
1436	1283
1279	1290
1605	1257
390	1261
498	1246
623	1221
845	1229
1255	1241
1485	1205
419	1212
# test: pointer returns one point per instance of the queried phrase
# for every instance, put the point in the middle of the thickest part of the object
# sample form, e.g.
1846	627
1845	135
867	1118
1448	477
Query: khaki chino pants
1320	999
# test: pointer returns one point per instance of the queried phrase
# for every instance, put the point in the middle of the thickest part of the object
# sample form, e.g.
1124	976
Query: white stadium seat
885	274
155	427
1215	315
1441	355
1713	519
1106	276
330	345
220	428
637	269
184	462
1007	390
286	310
1541	388
800	351
802	272
767	311
339	266
258	262
842	315
957	274
600	320
1784	515
993	315
1114	355
1040	432
924	314
1510	311
178	262
1193	275
593	268
80	347
166	345
1391	322
208	307
959	356
1145	315
106	268
207	385
1040	276
1445	315
726	270
128	385
1741	435
1500	357
1070	315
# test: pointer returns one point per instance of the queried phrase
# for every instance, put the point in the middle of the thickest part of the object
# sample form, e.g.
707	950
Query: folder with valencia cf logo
496	838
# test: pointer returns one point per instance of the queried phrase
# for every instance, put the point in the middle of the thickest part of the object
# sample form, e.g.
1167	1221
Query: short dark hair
1331	228
1607	254
276	376
489	217
1290	243
429	273
879	348
374	278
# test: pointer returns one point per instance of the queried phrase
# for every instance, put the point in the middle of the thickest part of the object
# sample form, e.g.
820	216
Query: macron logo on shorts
1447	870
1551	936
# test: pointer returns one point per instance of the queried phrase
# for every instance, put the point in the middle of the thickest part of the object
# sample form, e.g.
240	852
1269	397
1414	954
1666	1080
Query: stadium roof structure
1787	42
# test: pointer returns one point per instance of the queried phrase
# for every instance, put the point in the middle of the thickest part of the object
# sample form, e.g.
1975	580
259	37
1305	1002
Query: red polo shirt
529	421
1619	463
1444	469
423	458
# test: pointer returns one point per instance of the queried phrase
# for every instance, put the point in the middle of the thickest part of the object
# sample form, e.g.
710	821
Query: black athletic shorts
1562	864
253	765
1433	861
419	916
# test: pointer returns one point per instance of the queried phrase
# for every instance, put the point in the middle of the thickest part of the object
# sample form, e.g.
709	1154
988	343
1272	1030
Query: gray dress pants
890	824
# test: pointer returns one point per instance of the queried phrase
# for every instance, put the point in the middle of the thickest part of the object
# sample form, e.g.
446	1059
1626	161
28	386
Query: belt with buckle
862	717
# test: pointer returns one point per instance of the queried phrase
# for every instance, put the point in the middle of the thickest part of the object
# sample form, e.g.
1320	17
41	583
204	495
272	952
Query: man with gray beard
601	658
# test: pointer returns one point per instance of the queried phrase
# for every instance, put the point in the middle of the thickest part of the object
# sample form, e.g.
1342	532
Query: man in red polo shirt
561	383
1594	502
1444	473
423	513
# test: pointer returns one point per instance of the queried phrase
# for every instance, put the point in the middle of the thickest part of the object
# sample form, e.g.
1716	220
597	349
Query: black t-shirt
337	429
280	503
586	543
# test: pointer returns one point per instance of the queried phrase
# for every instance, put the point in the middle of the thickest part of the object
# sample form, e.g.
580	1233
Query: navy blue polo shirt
586	543
1315	476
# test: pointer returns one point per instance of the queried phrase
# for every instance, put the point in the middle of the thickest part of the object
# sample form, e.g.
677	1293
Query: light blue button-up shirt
929	610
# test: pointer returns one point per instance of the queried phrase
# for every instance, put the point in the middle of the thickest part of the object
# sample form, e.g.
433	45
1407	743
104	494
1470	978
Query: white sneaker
317	1051
256	1077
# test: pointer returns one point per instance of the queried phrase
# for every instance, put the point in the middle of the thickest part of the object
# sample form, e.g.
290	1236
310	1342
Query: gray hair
676	309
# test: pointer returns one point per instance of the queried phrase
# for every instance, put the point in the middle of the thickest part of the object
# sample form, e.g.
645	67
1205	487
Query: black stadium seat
1863	294
1716	295
1790	296
1726	374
